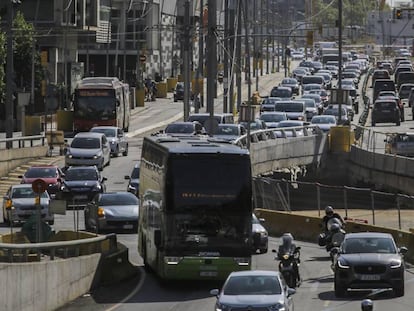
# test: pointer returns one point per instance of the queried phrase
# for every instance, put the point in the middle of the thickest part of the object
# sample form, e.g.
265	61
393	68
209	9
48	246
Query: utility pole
340	92
211	57
9	76
201	53
238	54
247	50
186	60
226	57
231	48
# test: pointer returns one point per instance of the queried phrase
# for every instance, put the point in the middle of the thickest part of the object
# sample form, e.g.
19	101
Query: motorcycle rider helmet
367	305
329	210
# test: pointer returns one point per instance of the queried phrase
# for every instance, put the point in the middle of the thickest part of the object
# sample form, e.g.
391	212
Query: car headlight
277	307
70	156
97	187
342	264
221	307
395	264
64	188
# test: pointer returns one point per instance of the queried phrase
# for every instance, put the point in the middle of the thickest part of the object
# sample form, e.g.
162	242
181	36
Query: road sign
39	186
142	58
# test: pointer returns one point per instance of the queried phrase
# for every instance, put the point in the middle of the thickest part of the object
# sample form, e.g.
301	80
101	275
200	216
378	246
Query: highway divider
307	228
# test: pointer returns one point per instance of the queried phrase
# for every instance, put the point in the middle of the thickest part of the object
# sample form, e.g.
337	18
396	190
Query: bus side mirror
157	238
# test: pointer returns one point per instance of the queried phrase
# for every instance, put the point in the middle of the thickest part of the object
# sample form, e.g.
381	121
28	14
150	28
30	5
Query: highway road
146	293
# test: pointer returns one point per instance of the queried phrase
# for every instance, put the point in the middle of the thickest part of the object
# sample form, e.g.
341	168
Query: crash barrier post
341	139
161	90
140	97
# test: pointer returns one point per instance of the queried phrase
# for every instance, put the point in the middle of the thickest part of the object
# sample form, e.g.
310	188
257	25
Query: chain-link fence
358	204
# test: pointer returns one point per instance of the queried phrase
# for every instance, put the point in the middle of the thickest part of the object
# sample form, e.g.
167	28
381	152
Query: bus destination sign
95	93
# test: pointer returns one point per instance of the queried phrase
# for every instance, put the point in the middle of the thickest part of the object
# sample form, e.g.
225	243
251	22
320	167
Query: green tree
23	41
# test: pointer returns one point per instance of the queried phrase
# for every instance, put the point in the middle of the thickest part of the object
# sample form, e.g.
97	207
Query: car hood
125	211
48	180
80	183
369	259
83	152
251	300
29	202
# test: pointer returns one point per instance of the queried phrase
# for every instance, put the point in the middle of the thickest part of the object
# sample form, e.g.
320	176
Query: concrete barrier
307	228
12	158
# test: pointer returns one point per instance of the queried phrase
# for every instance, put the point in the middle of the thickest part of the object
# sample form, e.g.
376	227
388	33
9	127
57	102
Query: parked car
133	184
369	260
52	175
254	290
88	148
384	111
81	184
229	132
257	228
184	128
19	205
112	210
116	137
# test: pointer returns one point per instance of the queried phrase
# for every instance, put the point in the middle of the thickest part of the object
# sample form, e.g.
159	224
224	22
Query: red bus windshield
99	105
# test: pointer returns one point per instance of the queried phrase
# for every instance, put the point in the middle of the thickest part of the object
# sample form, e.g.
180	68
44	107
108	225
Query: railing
22	141
50	250
279	133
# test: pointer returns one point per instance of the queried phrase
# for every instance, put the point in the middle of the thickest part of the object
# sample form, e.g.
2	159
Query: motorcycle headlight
395	264
285	256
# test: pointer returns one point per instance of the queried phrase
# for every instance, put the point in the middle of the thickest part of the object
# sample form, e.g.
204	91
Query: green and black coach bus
196	208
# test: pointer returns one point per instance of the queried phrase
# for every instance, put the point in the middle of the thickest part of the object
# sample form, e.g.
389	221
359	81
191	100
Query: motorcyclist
288	246
329	214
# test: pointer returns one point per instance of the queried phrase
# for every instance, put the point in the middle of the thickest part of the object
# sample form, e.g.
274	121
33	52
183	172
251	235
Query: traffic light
398	14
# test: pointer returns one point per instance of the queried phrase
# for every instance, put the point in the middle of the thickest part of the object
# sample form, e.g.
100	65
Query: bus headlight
172	260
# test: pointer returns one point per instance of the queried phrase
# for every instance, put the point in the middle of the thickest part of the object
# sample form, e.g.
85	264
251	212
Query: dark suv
369	260
81	184
385	110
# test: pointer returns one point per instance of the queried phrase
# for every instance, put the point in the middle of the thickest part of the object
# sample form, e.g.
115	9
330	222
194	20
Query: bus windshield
94	105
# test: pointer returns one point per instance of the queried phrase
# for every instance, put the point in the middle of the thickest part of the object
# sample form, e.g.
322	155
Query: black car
179	91
385	110
292	83
369	260
133	184
81	184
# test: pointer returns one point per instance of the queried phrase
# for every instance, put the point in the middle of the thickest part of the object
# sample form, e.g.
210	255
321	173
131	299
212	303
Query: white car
88	148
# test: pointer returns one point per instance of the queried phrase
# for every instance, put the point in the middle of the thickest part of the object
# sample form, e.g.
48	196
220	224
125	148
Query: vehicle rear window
385	105
289	107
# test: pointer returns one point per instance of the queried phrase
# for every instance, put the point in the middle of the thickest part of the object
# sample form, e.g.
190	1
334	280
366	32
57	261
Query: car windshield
85	143
272	117
368	245
81	174
118	199
180	128
281	93
253	285
25	193
107	132
41	172
323	120
227	130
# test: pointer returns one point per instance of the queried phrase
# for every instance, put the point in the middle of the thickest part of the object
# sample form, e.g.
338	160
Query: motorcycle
286	266
334	235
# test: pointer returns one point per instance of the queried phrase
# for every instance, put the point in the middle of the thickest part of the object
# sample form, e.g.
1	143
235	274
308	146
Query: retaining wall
12	158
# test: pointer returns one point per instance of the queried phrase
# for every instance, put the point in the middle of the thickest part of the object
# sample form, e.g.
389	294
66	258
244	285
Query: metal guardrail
22	141
279	133
21	252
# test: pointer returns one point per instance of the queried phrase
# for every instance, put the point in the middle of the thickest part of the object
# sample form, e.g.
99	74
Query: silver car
116	137
19	204
254	290
88	149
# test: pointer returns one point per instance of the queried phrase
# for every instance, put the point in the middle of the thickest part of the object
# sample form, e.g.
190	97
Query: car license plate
369	277
127	226
208	273
386	111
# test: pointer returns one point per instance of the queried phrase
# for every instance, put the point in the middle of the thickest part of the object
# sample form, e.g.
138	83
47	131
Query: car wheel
398	123
399	290
116	153
340	290
125	153
51	222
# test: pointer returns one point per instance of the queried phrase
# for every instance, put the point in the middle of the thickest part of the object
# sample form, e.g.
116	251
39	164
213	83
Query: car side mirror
214	292
291	291
127	177
20	176
104	178
403	250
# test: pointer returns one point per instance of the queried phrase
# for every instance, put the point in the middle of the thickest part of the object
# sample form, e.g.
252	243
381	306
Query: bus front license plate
208	273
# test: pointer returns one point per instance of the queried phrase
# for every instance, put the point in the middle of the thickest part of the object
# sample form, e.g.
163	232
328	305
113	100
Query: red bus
101	101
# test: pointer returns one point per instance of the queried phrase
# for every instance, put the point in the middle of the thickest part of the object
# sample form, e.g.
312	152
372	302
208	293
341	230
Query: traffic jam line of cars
80	183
